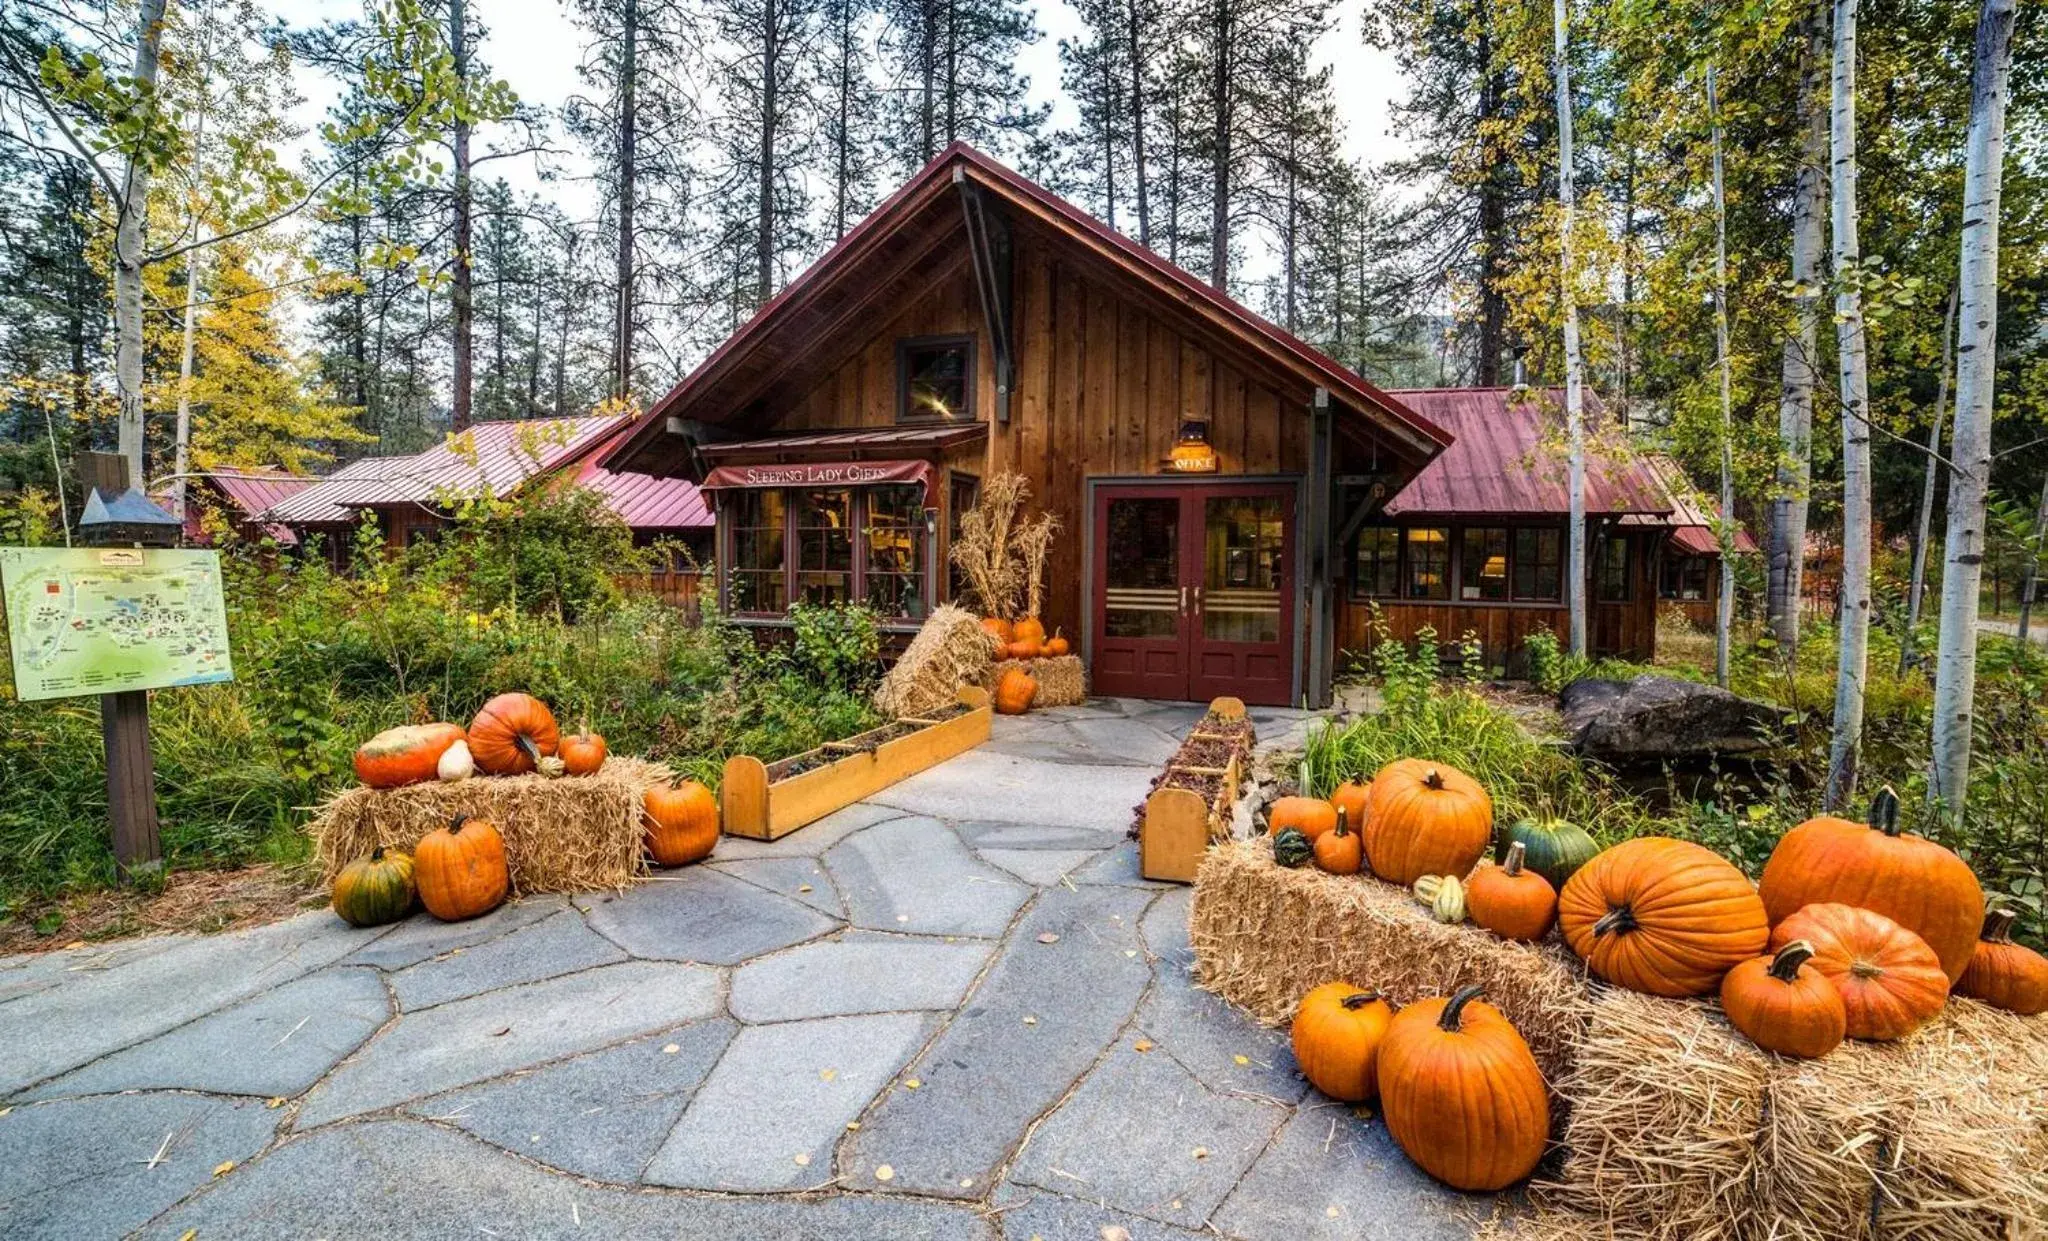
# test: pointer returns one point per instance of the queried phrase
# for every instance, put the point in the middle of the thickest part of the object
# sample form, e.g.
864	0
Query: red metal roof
643	501
1507	459
866	439
987	172
1700	541
252	491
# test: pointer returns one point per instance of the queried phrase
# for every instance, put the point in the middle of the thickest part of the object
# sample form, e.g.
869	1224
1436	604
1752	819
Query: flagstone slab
810	840
1140	742
862	973
914	875
101	1167
1041	868
1028	1212
416	1182
278	1043
1143	1135
1037	1022
985	785
798	878
1225	1049
423	937
92	1013
499	1032
1347	1183
700	915
1118	866
558	945
770	1113
990	834
600	1115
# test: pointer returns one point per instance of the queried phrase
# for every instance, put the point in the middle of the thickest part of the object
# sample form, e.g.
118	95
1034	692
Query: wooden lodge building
1232	503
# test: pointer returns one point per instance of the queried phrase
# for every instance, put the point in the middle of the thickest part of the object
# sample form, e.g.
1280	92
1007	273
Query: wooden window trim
964	341
1454	567
857	586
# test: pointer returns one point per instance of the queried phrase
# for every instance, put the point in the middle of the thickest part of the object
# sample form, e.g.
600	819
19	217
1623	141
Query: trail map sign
103	620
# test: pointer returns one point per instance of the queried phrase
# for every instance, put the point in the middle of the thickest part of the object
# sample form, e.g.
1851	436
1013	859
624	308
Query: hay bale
1681	1128
575	834
951	649
1264	935
1062	679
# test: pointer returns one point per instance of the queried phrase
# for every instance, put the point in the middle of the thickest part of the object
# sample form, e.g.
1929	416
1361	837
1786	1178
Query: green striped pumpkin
375	890
1552	848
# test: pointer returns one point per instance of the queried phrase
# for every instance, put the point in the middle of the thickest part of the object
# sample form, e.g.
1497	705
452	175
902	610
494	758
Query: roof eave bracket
988	244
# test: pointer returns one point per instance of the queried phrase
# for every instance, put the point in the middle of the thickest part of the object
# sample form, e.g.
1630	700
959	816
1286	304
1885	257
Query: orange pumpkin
410	754
1015	691
1336	1033
1425	819
1462	1094
1890	981
680	822
1056	646
1026	648
1311	816
1030	629
582	753
1352	798
1662	916
1909	879
1510	900
999	629
2004	974
1339	850
1784	1004
460	869
512	734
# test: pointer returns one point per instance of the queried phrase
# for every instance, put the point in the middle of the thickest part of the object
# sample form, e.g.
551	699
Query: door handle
1198	600
1183	601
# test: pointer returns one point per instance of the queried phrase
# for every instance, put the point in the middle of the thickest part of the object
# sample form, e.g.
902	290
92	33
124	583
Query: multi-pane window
759	546
1683	578
1611	582
1429	563
829	547
935	379
1483	563
1539	563
1376	564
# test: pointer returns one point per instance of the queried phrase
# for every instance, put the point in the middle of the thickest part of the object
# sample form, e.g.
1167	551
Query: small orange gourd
1337	1032
1784	1004
1340	850
1462	1094
1056	646
1026	648
1890	981
1311	816
1510	900
583	753
1015	691
2004	974
680	822
460	869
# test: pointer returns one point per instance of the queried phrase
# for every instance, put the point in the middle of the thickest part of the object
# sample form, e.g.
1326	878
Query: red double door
1193	591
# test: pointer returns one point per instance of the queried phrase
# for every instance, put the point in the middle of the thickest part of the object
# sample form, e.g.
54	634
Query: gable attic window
935	379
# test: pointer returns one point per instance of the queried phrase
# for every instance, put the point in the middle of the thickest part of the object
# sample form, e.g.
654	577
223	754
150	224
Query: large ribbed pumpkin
1784	1004
2008	975
1909	879
1889	978
1336	1033
1662	916
461	869
1461	1093
375	890
1425	819
680	822
410	754
512	734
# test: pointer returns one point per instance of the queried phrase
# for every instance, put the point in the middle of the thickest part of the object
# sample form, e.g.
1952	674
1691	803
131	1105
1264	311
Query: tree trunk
2033	565
462	294
928	65
1493	215
1136	38
1574	364
842	171
764	226
1724	613
628	170
1224	127
1109	94
1787	561
128	257
1955	677
1852	656
1917	590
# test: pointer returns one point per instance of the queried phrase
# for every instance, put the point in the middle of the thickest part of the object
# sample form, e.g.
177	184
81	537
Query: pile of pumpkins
1856	930
460	871
1019	640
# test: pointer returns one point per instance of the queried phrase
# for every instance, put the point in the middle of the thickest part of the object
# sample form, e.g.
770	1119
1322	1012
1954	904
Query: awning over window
826	474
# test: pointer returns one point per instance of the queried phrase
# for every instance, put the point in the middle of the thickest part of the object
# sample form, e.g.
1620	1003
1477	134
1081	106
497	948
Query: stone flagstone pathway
955	1011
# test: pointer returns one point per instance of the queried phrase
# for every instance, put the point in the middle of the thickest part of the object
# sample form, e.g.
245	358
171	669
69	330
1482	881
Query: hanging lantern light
1192	452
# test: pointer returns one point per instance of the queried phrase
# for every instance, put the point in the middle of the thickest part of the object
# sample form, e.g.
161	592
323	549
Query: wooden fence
683	588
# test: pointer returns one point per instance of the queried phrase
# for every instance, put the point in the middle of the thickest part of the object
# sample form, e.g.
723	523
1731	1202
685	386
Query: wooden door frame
1298	655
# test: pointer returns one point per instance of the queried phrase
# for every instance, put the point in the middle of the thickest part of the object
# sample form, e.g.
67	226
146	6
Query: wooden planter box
760	803
1179	826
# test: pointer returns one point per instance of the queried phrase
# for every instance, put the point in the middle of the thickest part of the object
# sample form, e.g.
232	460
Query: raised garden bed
1189	806
764	801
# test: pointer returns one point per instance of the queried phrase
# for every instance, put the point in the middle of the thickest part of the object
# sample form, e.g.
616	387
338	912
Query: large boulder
1655	719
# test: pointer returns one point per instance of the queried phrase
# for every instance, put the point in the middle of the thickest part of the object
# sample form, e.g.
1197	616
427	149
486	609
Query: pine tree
954	70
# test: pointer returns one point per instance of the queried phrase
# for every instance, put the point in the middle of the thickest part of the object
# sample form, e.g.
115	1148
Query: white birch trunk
1916	590
1853	649
131	210
1724	616
1784	595
1574	363
1955	670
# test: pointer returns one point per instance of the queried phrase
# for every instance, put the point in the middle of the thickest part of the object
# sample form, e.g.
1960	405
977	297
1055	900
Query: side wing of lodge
1234	505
